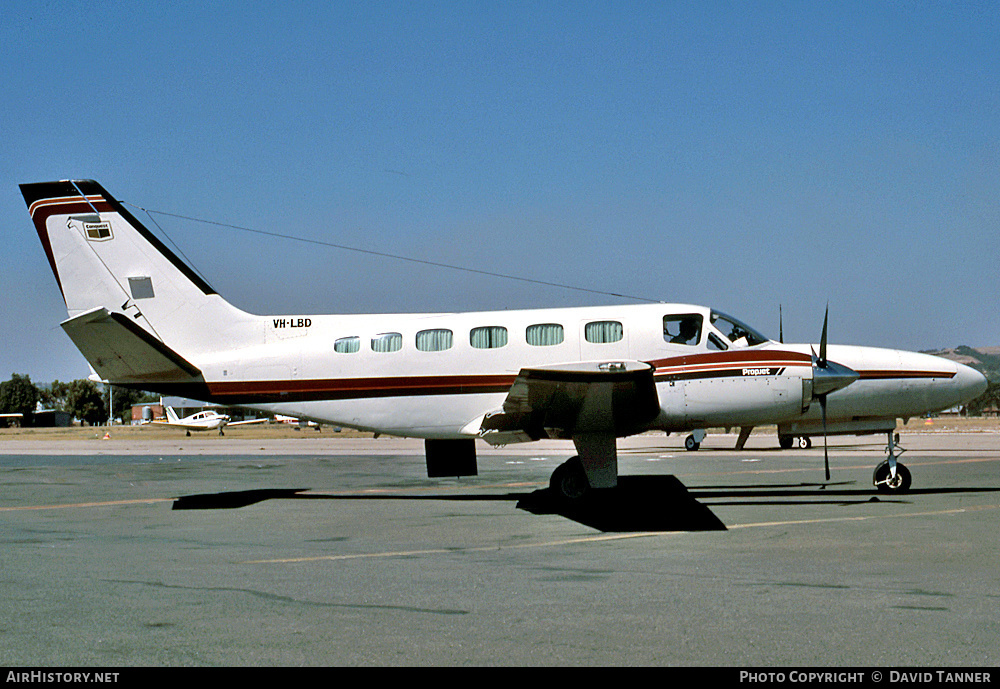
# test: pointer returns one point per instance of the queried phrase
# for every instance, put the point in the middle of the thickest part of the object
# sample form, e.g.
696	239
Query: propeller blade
826	449
822	339
781	330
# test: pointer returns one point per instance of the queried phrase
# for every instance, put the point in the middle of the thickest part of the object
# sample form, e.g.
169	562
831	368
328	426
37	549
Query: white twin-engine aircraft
145	319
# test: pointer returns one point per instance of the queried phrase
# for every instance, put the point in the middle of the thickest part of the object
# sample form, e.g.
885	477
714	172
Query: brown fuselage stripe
890	374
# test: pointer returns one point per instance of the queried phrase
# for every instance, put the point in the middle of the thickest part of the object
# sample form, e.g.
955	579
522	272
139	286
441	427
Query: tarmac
326	550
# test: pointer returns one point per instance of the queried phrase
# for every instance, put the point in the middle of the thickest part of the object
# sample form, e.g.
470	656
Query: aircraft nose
970	382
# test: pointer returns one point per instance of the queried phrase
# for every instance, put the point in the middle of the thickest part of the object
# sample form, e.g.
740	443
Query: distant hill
983	359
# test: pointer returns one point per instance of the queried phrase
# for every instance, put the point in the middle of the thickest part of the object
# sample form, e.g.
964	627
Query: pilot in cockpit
689	330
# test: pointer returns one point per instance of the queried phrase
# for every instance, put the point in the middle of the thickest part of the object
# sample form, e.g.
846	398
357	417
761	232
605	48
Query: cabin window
347	345
603	332
683	328
544	334
387	342
434	340
488	337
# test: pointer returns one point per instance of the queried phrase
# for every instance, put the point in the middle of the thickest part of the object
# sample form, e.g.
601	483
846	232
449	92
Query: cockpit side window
739	334
682	328
715	342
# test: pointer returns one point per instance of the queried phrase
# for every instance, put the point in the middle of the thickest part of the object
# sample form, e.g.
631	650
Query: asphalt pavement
339	551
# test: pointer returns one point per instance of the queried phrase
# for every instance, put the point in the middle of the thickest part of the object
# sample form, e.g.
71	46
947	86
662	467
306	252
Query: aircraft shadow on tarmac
639	503
233	499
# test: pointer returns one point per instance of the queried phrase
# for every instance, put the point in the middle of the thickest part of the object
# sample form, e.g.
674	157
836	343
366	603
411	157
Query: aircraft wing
122	352
572	399
184	426
247	422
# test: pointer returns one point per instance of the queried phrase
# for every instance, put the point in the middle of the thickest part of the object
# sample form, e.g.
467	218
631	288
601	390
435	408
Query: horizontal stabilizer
122	352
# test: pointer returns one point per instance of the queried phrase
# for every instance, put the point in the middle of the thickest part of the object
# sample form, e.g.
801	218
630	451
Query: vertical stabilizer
104	258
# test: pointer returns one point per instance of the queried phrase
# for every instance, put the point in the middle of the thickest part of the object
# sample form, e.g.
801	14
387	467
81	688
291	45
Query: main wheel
690	444
569	480
785	442
884	484
805	442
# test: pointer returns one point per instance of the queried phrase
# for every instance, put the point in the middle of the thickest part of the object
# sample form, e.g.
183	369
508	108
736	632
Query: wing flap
122	352
561	401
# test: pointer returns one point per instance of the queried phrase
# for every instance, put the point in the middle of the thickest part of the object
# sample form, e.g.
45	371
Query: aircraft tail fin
103	258
172	415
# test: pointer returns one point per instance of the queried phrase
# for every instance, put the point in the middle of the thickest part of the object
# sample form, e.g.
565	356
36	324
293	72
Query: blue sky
738	155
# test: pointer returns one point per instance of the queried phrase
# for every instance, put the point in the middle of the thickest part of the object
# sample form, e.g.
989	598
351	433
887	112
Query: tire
900	485
785	442
569	481
690	444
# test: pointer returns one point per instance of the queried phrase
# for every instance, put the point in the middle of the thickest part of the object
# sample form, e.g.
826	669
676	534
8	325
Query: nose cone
969	382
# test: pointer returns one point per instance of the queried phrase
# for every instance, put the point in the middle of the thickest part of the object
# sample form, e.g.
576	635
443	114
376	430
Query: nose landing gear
890	475
885	482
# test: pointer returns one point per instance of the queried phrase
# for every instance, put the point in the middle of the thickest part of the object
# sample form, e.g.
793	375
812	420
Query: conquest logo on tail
98	231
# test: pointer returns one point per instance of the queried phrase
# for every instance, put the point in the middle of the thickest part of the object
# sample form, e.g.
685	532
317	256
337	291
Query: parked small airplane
143	318
208	420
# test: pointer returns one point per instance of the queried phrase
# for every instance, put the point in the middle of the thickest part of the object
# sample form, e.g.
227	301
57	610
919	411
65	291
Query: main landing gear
593	469
569	481
785	442
890	475
693	441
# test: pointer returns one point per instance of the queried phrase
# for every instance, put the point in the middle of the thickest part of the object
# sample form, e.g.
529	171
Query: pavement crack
277	598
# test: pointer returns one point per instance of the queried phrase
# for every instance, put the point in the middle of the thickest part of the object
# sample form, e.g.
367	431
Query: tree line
83	399
989	401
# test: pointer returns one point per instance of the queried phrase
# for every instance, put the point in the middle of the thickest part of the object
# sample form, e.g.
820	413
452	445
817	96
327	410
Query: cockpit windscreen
739	334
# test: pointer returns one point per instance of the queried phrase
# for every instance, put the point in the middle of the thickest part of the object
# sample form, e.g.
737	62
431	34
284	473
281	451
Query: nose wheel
885	482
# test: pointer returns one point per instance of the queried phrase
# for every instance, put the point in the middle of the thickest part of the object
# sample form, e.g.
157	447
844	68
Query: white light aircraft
207	420
143	318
